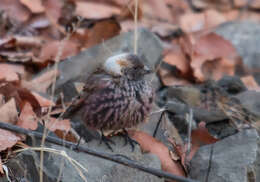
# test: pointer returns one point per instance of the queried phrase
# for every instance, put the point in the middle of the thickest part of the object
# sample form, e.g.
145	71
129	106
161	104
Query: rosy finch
117	95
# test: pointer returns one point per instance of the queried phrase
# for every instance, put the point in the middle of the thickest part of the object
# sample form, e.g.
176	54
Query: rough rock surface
98	169
251	101
244	35
229	160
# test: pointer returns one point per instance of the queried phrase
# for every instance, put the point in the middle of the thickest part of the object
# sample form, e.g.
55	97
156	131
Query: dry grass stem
80	169
136	24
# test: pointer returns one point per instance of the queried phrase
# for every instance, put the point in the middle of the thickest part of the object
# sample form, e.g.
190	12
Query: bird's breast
120	105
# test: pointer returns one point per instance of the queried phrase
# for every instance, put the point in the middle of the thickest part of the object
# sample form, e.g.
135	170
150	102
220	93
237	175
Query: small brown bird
118	96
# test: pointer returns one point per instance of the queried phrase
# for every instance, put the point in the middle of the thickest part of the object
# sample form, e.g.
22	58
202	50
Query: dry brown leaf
192	22
150	144
34	5
200	137
27	118
244	3
50	50
10	72
54	124
1	167
250	82
157	10
96	34
169	78
15	10
95	10
42	82
2	100
128	12
14	90
68	136
176	58
8	112
44	102
207	51
216	69
7	139
53	9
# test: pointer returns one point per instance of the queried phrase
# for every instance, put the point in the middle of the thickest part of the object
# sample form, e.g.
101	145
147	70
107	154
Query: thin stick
136	23
104	155
189	118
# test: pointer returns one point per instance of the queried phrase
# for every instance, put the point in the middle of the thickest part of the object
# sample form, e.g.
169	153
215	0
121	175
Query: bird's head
126	64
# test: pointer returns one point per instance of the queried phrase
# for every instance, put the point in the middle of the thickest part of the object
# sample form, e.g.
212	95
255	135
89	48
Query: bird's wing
97	82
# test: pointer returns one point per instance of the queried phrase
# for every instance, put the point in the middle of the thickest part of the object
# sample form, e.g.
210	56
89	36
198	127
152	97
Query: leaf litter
31	32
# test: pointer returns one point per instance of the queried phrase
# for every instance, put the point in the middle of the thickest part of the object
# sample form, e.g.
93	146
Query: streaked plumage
118	96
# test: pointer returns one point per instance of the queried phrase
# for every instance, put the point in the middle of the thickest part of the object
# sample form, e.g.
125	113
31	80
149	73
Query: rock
244	35
232	159
97	169
232	84
221	129
79	67
165	130
103	170
250	100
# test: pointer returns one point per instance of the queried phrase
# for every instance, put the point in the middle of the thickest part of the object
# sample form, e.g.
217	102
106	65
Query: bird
117	95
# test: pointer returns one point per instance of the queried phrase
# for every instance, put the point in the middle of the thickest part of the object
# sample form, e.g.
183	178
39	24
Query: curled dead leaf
54	124
95	10
7	139
250	83
35	6
8	112
28	118
1	167
211	56
150	144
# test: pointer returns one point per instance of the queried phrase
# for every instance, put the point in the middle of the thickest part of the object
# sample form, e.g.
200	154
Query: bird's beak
147	70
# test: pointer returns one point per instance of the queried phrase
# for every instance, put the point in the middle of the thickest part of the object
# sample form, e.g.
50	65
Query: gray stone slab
232	158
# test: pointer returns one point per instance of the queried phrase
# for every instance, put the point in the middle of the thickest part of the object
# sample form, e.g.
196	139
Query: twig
136	32
103	155
189	119
158	124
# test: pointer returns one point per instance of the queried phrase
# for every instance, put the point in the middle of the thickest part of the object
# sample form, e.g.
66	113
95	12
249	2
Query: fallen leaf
1	167
10	72
250	82
2	100
44	102
35	6
220	66
95	10
15	10
51	48
53	9
7	139
38	22
150	144
176	58
192	22
28	118
8	112
169	77
200	137
208	50
128	12
14	90
157	10
96	34
54	124
43	82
